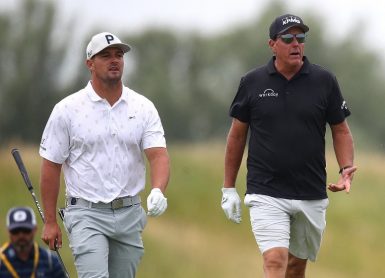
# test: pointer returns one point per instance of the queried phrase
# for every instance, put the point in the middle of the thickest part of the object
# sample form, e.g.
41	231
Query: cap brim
123	46
304	27
21	225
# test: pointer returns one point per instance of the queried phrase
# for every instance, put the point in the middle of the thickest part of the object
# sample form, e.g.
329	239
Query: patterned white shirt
101	146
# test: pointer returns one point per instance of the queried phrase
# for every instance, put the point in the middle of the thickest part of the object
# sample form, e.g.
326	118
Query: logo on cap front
293	19
109	38
20	216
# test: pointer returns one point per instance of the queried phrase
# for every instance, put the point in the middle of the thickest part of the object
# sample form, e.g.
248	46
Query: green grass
193	238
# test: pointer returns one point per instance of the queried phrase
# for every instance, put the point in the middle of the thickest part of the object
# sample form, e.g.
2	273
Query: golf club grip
23	171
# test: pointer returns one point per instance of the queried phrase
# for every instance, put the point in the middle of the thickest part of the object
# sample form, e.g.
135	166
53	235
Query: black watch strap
343	168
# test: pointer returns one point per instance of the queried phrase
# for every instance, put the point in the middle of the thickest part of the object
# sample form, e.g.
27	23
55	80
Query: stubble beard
112	80
23	245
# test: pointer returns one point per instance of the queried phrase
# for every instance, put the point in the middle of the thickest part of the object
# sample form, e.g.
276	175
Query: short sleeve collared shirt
101	146
287	120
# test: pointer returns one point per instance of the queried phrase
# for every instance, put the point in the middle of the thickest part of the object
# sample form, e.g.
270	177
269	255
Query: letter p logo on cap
109	38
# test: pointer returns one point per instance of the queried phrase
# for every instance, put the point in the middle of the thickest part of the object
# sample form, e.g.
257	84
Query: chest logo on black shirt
268	93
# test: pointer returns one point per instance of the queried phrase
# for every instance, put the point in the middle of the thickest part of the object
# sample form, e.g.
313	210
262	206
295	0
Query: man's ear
89	63
272	45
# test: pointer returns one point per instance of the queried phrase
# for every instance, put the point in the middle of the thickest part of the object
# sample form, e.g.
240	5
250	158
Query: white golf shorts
294	224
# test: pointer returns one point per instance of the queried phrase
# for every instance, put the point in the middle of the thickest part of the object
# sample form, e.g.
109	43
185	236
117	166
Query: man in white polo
98	136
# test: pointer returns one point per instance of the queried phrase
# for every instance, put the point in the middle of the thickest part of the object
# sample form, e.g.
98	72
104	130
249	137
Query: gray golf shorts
106	242
294	224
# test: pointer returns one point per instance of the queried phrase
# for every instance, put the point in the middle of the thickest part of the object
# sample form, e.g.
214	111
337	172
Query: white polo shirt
101	146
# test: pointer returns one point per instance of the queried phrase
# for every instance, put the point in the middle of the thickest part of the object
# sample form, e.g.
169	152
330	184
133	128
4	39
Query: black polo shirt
287	121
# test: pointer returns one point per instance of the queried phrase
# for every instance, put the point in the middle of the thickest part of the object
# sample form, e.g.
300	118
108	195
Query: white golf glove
231	204
156	202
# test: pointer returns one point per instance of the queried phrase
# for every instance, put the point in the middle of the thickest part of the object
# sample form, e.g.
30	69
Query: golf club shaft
38	205
16	155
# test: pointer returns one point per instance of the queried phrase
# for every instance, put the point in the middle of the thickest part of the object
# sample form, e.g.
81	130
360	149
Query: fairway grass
194	239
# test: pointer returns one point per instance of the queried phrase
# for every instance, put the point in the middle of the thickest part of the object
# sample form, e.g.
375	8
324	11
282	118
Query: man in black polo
21	256
286	105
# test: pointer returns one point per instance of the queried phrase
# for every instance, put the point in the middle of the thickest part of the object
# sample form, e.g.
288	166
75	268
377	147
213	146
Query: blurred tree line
191	78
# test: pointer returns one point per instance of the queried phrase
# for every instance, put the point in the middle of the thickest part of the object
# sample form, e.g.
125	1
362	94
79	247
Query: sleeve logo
344	106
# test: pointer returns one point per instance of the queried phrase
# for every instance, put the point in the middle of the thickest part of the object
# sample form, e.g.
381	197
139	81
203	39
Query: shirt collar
305	69
91	92
125	94
95	97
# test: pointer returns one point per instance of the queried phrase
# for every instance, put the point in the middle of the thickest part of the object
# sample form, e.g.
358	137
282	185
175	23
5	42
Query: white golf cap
103	40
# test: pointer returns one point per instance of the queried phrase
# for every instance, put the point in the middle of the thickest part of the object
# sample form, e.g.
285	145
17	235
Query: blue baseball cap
21	217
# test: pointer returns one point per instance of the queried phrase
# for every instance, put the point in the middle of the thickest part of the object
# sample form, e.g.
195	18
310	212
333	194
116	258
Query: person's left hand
156	202
345	180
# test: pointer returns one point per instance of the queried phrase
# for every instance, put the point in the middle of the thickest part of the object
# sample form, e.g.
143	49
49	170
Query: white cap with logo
103	40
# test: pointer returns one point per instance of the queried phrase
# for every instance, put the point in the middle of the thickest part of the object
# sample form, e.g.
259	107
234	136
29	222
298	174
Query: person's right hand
231	204
52	236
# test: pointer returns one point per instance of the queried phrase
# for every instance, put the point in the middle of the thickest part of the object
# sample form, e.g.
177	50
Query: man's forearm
343	145
233	159
49	188
159	167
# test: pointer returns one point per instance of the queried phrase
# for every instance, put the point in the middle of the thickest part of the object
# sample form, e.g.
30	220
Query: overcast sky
213	16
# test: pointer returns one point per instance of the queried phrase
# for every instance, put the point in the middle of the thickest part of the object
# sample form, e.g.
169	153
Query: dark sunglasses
288	38
21	230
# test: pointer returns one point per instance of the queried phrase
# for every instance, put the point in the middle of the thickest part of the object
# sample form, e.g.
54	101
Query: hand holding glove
231	204
156	202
